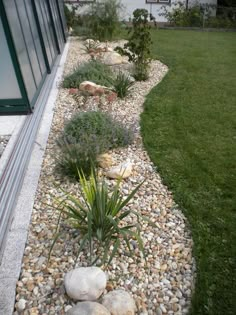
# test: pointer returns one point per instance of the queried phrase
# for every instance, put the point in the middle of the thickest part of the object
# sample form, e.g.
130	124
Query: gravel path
165	284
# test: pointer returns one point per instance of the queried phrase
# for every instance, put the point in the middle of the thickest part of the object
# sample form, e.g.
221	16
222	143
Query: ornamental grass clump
99	216
87	135
122	84
92	70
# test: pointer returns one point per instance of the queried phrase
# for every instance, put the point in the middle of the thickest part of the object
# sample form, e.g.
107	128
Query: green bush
86	136
93	70
139	43
76	156
99	218
198	15
122	84
103	19
70	15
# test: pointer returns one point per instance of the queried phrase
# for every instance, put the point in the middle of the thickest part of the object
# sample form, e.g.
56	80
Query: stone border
14	249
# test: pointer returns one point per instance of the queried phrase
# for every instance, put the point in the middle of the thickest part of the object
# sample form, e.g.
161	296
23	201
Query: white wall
156	8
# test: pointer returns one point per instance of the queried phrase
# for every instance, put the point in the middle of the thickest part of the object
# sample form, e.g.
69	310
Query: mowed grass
189	131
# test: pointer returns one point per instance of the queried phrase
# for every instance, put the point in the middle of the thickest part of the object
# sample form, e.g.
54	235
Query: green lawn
189	131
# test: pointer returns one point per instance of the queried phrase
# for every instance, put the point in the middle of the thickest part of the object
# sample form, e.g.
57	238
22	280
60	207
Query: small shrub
80	30
76	156
70	15
122	84
93	70
86	136
103	19
138	46
99	218
141	71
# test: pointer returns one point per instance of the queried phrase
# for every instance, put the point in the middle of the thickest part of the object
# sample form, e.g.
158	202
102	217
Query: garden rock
123	170
105	160
112	58
93	89
119	302
88	308
20	306
85	283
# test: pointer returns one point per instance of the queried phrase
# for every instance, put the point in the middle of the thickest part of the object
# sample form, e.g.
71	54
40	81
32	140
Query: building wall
156	8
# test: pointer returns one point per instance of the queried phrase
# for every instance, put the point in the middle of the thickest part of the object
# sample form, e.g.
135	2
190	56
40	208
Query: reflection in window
9	88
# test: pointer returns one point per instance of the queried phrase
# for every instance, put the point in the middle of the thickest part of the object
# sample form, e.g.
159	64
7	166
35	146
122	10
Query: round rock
85	283
88	308
119	302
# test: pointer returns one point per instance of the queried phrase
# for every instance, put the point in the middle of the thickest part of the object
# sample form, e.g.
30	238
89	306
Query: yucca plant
122	84
100	218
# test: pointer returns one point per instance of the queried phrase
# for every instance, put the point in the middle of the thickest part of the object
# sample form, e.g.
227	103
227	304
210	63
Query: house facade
154	7
157	7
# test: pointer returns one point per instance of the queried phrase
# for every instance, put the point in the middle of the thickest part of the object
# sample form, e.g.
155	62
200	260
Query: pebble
21	304
168	273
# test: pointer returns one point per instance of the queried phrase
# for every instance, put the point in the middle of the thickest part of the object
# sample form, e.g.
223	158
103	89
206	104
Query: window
158	1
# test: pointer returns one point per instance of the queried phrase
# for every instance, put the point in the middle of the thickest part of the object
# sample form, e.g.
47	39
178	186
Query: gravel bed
162	286
3	143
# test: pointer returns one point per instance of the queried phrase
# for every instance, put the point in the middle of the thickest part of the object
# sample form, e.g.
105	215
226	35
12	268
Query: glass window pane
20	47
9	88
61	6
47	32
57	23
29	41
35	34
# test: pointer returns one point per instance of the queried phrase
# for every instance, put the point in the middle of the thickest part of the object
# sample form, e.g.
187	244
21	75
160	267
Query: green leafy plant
99	216
103	19
87	135
93	70
199	15
122	84
75	156
70	14
139	43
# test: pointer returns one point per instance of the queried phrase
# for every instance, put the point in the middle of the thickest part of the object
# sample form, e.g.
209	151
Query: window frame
168	2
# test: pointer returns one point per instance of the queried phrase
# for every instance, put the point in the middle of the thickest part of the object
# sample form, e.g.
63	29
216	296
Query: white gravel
165	284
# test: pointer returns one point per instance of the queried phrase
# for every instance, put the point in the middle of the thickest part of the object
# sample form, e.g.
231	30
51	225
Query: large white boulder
119	302
85	283
123	170
111	58
88	308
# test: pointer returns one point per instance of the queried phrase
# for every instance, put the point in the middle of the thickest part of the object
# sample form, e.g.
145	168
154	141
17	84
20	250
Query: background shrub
199	15
86	136
139	44
103	19
93	70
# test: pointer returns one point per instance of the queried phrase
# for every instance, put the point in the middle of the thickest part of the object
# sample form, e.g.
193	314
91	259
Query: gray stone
88	308
119	302
85	283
